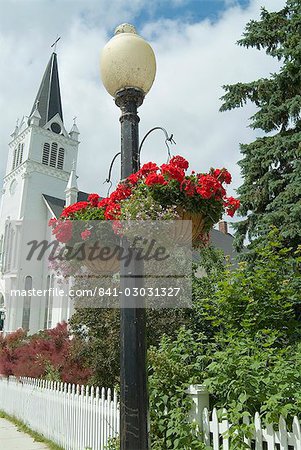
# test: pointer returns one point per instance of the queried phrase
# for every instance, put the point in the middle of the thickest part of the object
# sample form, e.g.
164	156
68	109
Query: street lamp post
128	68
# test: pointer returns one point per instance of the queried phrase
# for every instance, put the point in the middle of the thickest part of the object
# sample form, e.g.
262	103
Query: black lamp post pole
133	382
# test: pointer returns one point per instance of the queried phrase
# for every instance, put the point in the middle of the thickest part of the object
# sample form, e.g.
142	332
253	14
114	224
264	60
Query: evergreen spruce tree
271	165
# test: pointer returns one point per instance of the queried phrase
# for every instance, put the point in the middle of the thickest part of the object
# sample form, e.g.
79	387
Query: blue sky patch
190	11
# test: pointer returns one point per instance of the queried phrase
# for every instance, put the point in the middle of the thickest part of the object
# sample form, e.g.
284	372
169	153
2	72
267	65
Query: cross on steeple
55	42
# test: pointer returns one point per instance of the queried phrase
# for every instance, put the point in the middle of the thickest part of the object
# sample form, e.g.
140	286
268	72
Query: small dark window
56	128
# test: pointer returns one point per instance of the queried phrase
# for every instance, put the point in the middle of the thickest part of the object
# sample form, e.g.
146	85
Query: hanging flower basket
154	193
168	192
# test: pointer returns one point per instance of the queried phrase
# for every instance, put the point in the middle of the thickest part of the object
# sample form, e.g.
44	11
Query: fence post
200	401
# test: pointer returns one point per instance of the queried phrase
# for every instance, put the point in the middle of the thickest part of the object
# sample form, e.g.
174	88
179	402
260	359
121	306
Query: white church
39	181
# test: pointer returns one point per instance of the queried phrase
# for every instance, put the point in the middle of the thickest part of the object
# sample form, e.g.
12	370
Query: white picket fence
215	433
82	417
74	417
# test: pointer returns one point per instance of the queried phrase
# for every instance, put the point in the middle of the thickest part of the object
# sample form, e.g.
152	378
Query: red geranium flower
69	210
103	203
204	192
148	168
63	231
180	162
154	178
113	211
123	191
93	199
209	186
189	187
52	222
85	234
222	175
117	227
232	204
173	172
133	179
227	177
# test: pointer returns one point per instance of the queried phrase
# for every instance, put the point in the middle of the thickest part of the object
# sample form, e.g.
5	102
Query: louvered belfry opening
53	156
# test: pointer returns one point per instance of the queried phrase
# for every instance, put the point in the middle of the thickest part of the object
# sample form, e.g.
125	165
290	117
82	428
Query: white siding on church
22	201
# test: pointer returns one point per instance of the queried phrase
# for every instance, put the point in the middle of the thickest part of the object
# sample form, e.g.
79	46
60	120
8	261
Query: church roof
56	205
48	99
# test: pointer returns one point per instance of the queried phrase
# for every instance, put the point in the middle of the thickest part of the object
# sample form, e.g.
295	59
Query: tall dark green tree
271	165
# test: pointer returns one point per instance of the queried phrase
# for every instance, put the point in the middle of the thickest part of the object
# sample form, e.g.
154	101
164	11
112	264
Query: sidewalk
12	439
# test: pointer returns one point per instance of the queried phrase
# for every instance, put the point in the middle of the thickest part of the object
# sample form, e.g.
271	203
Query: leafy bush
172	368
250	359
50	354
99	328
255	374
261	294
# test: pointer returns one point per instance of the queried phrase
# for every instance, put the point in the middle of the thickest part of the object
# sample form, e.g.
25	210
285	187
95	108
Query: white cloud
194	61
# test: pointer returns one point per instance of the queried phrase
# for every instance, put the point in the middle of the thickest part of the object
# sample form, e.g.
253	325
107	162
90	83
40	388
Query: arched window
26	304
1	249
14	159
18	155
11	246
49	302
53	156
8	245
46	152
2	311
4	256
60	160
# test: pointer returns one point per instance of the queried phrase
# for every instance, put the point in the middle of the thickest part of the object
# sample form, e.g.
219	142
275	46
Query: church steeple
48	98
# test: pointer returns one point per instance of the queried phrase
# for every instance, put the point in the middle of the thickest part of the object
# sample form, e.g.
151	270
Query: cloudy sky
194	43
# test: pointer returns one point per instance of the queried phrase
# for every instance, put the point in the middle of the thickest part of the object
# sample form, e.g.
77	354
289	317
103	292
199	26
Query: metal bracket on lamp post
167	139
108	180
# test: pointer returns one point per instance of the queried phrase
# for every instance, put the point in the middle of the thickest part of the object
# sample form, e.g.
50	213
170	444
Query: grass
36	436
